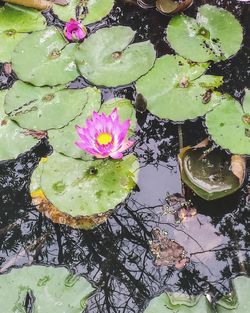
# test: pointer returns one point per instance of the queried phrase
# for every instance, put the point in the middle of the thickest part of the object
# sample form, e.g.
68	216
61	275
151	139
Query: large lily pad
63	140
50	290
79	187
109	59
208	173
175	89
208	37
43	108
229	125
95	10
45	58
20	19
13	140
177	302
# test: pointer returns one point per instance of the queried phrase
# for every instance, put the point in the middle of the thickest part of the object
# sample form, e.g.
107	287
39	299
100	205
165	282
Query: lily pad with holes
44	108
63	140
175	89
237	302
20	19
94	11
107	58
79	190
229	125
51	54
207	37
208	173
47	289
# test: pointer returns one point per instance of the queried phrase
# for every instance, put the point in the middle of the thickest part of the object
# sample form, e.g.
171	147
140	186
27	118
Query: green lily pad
182	303
10	39
50	290
83	188
207	37
15	22
107	58
44	108
20	19
175	89
96	10
229	125
51	54
13	140
63	140
208	173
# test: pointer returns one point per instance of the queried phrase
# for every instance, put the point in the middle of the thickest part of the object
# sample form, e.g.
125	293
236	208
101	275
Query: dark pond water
116	256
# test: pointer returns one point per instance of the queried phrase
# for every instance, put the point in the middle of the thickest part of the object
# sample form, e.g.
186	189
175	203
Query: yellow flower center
104	139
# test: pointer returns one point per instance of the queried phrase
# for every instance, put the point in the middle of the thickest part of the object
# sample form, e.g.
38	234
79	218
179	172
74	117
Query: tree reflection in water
116	256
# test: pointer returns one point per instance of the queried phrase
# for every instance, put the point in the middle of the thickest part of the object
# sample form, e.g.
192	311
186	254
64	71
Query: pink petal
126	145
116	155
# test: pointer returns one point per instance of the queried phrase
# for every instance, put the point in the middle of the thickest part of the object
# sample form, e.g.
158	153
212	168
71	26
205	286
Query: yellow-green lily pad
84	188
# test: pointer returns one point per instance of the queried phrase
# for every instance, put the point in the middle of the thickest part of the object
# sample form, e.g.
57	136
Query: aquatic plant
47	289
237	302
104	136
74	30
108	58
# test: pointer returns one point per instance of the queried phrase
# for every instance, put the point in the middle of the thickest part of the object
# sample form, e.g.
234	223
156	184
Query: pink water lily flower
74	30
104	135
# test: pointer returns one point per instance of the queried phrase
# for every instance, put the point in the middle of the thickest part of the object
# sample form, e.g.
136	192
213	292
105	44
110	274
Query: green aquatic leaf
83	188
10	39
181	303
44	108
175	89
50	289
208	37
107	58
63	140
51	54
208	173
229	125
15	22
95	10
20	19
13	140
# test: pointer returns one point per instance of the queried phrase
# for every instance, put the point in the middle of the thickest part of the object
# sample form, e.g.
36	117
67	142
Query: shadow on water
117	256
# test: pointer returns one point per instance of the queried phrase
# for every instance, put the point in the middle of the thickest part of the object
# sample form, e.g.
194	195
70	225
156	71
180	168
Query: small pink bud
74	31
